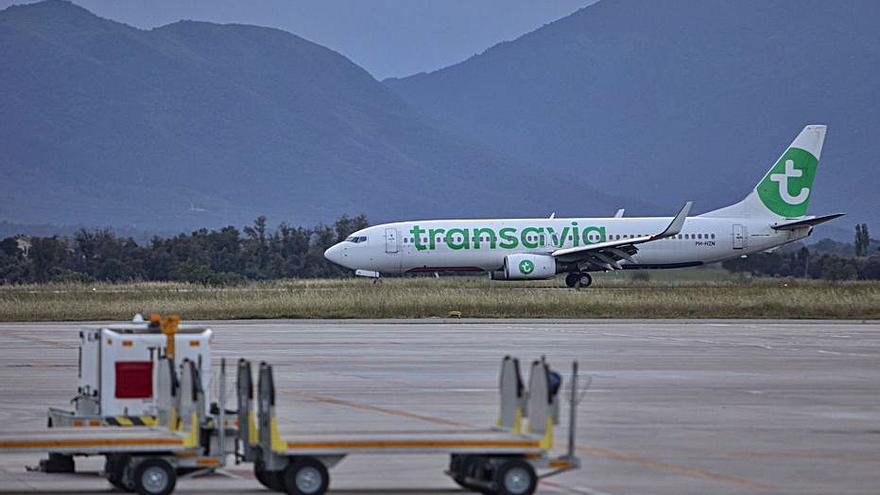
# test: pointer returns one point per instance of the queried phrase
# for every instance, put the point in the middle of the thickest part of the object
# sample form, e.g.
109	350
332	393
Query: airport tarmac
675	407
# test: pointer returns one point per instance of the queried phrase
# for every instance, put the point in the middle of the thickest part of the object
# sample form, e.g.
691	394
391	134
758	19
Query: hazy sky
386	37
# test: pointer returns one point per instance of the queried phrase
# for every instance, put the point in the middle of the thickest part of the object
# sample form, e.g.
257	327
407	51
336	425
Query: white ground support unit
503	460
145	459
117	369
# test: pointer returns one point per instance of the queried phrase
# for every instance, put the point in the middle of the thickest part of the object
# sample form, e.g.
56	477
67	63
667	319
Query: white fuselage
475	245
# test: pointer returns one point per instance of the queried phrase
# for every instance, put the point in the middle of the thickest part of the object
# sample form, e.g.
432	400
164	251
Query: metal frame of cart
504	460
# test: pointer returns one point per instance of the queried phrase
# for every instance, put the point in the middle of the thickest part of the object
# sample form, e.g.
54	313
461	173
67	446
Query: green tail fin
786	188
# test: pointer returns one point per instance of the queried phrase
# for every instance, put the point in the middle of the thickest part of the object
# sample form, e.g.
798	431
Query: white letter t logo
782	179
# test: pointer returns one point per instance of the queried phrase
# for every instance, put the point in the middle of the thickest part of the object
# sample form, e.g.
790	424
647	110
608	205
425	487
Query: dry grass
611	297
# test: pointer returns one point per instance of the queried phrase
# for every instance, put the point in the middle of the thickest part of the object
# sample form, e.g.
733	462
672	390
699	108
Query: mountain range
622	104
679	100
196	124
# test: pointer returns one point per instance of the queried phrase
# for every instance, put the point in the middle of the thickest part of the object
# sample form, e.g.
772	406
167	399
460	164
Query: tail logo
782	179
786	189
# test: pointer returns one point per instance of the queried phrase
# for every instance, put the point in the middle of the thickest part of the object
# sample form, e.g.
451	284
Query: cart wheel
515	477
154	477
467	466
114	469
273	480
306	476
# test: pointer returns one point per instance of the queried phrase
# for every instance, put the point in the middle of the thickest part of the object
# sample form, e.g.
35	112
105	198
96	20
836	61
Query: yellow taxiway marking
367	407
677	468
838	456
608	454
46	342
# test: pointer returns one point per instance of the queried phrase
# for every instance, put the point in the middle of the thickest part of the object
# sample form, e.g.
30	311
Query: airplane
772	214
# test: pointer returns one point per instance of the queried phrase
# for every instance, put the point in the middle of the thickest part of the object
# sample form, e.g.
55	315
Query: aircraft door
391	241
739	236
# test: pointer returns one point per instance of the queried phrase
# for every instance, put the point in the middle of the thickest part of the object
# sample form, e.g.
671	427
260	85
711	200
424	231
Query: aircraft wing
811	221
607	254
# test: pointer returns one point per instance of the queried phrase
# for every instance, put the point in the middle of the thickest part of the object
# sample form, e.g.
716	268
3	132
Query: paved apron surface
675	407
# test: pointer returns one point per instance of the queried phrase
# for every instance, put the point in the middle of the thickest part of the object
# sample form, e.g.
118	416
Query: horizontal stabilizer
807	222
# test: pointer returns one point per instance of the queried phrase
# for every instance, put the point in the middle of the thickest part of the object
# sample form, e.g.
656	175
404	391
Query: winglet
677	223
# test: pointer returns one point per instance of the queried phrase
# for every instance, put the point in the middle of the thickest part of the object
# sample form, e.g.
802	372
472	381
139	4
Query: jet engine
527	267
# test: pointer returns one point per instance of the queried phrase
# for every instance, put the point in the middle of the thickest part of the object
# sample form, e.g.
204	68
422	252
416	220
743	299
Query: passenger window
713	236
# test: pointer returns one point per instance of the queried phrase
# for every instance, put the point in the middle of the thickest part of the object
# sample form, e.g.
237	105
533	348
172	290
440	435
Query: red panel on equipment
134	379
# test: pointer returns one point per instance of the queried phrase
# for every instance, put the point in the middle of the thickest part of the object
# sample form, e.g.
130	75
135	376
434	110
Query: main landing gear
578	280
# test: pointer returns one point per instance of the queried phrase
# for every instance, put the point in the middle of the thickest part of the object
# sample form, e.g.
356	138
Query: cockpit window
356	238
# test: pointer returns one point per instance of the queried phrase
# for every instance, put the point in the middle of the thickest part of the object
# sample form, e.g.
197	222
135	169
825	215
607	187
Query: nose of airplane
334	254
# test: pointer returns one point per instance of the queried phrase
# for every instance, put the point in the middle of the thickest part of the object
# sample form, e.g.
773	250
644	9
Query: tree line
826	259
229	256
218	257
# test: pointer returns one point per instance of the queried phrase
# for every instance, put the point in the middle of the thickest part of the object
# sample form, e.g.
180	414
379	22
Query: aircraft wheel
584	280
571	279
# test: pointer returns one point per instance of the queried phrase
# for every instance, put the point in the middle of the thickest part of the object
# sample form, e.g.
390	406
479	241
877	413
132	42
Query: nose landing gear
578	280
